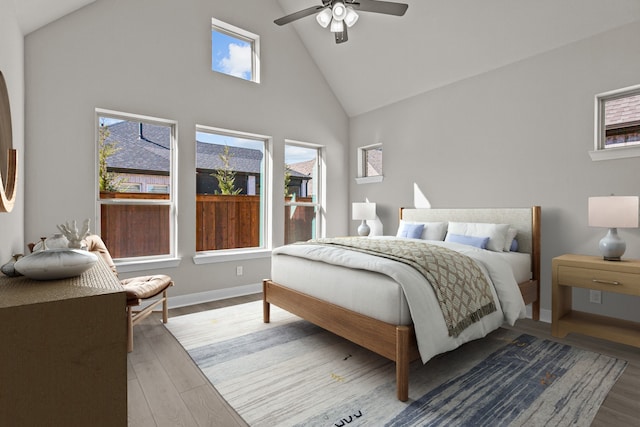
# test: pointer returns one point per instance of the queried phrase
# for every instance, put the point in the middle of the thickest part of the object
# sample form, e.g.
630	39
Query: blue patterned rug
290	372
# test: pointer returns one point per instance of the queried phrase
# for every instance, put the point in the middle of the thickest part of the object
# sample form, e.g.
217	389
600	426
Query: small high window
369	164
617	124
234	51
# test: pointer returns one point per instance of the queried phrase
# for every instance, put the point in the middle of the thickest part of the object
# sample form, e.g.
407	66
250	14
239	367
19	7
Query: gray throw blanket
462	290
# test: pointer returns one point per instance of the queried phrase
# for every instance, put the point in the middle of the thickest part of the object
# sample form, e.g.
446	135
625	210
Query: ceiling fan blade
342	36
299	14
386	7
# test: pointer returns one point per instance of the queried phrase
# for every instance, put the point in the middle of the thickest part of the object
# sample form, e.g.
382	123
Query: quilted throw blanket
461	288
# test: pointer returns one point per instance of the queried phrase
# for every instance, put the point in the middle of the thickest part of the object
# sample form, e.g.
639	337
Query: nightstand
590	272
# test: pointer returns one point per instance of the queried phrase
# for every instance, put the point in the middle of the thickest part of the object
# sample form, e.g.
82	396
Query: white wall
153	57
517	136
12	67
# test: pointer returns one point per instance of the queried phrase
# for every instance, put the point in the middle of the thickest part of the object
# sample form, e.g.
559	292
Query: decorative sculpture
72	234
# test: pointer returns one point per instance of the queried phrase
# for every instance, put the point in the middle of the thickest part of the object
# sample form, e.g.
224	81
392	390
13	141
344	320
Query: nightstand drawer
614	281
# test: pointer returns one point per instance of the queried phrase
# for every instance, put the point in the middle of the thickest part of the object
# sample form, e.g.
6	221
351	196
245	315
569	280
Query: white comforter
430	327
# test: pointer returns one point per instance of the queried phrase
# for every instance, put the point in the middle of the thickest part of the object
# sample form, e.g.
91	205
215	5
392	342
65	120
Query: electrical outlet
595	296
239	271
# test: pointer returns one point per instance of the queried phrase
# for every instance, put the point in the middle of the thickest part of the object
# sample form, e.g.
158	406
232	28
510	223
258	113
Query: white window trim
362	178
600	152
369	179
251	38
320	187
137	185
143	263
130	265
151	187
223	255
229	255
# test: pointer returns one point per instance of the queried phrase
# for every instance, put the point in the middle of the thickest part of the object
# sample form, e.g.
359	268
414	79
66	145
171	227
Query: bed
370	308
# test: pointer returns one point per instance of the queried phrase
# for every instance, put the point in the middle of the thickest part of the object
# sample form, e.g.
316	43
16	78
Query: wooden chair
138	289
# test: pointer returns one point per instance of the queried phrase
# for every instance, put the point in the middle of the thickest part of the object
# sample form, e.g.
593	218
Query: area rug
292	373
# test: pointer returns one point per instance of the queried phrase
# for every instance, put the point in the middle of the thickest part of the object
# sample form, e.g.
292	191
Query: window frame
244	35
362	177
263	251
153	261
318	185
600	152
131	185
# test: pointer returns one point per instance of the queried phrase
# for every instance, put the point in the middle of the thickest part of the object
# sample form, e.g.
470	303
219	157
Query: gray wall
153	57
517	136
12	67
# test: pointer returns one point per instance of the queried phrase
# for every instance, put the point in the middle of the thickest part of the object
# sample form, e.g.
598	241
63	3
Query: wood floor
167	389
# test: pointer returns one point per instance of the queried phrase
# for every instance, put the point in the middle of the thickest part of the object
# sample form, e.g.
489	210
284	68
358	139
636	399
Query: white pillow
511	234
431	230
497	233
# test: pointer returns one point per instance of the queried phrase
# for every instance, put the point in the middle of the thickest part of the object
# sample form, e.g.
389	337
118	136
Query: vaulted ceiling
437	42
33	14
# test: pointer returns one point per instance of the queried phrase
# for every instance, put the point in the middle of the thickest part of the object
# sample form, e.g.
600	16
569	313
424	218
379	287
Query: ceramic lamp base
612	247
364	229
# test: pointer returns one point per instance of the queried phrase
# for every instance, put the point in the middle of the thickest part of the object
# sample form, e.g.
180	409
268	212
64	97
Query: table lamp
363	211
613	212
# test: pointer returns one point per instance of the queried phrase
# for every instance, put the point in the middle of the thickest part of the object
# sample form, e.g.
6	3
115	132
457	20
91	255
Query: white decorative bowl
54	264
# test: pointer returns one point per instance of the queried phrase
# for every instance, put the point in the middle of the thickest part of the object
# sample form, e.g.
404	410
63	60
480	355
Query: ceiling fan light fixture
339	15
339	11
324	18
337	26
351	17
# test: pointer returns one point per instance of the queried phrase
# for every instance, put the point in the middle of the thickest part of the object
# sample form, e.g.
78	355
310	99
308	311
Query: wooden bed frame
398	342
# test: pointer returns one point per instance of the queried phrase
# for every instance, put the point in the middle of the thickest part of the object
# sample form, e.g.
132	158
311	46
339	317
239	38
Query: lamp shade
363	211
324	18
614	211
339	11
351	17
337	26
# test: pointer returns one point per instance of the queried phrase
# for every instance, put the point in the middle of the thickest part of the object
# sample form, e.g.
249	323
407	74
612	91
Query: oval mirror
8	156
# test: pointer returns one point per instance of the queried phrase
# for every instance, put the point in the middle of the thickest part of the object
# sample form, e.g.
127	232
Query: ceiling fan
341	14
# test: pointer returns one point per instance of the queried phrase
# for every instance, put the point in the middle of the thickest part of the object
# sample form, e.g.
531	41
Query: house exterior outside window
617	127
622	121
136	157
231	191
303	192
369	164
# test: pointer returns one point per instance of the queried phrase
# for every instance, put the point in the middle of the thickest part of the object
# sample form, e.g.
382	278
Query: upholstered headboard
525	220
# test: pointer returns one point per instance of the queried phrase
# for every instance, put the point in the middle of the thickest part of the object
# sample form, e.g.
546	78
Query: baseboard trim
215	295
545	315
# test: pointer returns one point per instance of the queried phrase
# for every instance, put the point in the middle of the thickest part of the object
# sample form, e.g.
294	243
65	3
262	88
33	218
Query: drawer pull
606	282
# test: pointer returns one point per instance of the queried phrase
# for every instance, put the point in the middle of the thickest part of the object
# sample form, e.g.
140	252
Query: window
617	124
302	192
157	188
135	155
369	164
130	187
234	51
231	193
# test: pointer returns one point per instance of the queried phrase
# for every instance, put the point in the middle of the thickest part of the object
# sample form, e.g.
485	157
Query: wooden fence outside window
222	222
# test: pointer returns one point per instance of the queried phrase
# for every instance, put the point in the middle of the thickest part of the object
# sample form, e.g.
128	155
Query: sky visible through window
230	55
296	154
232	141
